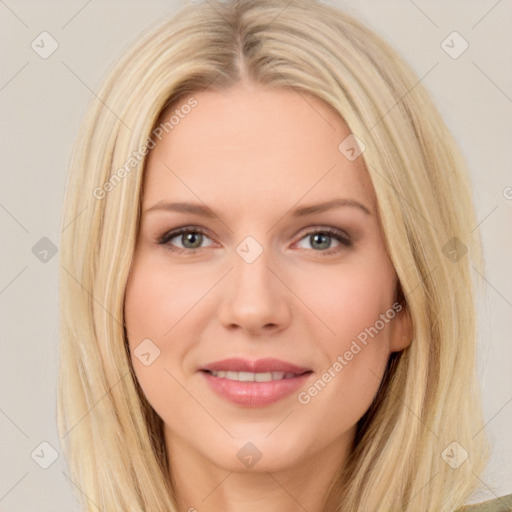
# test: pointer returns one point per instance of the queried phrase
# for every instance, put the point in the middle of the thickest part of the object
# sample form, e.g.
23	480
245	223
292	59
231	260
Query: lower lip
255	394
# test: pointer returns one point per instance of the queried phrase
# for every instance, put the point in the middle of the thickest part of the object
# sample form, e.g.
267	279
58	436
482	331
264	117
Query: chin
260	452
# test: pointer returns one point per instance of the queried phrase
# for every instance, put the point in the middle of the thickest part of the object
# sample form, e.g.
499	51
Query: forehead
250	145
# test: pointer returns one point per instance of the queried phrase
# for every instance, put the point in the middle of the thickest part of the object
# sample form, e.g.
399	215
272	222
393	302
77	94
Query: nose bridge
251	268
254	299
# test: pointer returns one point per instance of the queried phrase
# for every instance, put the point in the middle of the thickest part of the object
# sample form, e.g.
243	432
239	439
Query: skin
253	155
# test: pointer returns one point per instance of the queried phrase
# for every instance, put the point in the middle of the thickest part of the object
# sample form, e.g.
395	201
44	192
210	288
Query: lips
254	383
260	366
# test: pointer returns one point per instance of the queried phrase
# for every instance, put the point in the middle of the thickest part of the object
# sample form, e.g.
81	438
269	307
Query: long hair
403	457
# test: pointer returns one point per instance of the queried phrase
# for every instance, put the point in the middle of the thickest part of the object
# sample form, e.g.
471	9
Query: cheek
157	297
164	303
154	303
349	300
353	338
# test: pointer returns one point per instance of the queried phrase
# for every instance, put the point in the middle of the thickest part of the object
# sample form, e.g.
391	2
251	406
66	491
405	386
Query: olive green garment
503	504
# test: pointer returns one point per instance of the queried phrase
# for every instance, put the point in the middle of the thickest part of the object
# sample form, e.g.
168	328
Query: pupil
193	237
318	236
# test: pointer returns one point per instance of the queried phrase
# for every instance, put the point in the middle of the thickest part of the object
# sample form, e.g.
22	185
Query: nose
254	299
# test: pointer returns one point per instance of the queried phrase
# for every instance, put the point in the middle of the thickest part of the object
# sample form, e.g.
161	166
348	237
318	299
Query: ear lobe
401	330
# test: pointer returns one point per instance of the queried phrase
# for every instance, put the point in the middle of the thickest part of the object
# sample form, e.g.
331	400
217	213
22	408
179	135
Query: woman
314	348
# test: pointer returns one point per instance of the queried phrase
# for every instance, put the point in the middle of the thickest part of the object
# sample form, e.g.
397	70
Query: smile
254	383
251	376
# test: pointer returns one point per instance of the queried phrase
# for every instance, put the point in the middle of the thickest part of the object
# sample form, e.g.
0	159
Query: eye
190	237
320	240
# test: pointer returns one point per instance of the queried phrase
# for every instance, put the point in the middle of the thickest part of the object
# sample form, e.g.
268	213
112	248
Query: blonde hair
429	398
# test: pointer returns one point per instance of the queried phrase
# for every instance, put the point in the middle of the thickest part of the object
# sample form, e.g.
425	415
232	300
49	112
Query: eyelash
340	236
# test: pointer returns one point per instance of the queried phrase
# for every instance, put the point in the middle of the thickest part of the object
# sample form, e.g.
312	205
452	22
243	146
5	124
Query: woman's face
303	320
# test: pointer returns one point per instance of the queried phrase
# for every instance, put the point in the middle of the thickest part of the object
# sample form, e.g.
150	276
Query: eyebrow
303	211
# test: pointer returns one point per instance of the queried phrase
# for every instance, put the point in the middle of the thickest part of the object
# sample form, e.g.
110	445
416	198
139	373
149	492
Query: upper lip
236	364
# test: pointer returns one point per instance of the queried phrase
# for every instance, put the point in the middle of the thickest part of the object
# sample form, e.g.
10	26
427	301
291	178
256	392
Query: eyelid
326	229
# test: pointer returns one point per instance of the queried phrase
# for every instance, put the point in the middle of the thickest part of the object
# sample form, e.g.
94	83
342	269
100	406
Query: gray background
42	102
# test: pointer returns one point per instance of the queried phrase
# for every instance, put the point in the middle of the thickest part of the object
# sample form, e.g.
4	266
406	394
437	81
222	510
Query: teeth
263	377
252	377
245	376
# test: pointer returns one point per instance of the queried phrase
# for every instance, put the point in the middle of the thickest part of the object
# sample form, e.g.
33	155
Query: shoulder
502	504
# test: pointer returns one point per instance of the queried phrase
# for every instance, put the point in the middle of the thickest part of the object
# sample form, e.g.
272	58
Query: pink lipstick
254	383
